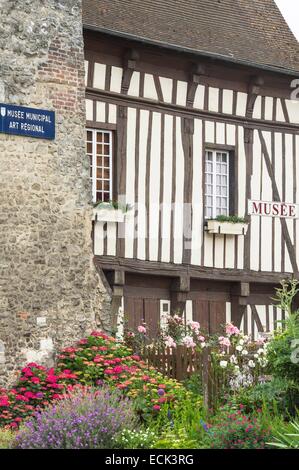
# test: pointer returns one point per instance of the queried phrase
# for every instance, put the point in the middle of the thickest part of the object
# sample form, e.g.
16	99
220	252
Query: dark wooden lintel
157	268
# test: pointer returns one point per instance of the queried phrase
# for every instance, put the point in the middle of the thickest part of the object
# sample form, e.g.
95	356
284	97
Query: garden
104	393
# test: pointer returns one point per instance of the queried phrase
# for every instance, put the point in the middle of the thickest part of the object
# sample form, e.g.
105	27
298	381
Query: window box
227	228
108	214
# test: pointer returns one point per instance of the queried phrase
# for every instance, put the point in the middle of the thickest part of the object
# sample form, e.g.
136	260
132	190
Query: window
216	183
99	152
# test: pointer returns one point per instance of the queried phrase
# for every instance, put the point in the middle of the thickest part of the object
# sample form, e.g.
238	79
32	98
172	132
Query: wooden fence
180	363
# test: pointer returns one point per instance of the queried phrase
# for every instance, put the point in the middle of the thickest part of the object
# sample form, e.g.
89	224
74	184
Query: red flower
35	380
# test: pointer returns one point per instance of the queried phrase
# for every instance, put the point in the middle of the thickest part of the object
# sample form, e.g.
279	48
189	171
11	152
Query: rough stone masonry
50	292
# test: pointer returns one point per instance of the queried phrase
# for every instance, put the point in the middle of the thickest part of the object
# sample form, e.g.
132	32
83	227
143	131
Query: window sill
108	215
226	228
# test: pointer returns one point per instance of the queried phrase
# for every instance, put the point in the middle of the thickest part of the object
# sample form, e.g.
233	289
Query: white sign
273	209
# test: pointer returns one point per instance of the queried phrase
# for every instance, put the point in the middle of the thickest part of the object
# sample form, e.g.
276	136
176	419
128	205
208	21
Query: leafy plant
235	430
113	205
234	219
277	395
87	420
175	440
7	437
283	350
286	436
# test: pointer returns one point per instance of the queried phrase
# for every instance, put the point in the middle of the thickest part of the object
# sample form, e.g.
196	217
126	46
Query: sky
290	11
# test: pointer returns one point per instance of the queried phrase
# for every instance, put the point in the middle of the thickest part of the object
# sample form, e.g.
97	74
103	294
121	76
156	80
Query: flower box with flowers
226	228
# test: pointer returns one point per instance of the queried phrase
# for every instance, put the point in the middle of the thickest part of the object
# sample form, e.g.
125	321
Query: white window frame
214	194
94	162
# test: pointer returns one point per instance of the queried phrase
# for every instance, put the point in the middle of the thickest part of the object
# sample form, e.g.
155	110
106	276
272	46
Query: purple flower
161	392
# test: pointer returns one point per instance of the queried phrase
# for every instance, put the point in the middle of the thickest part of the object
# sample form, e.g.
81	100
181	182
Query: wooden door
138	310
210	314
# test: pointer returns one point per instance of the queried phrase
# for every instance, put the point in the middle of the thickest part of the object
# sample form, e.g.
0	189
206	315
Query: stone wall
50	293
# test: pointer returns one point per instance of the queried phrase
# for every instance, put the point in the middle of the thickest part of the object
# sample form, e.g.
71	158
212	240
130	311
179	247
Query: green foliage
113	205
175	439
6	438
283	350
235	430
278	394
286	294
234	219
194	384
286	435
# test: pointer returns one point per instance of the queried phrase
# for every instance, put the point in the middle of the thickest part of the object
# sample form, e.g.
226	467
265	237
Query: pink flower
35	380
194	325
169	342
141	329
224	341
230	329
130	334
188	342
201	339
156	407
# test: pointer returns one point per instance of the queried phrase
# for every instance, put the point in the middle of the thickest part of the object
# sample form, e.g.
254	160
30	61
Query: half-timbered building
191	114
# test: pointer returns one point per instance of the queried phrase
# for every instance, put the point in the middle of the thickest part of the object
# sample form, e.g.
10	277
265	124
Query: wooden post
206	378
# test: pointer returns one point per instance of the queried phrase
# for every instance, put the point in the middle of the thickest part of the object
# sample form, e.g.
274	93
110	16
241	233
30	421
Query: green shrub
281	351
286	435
6	438
278	395
175	439
194	384
235	430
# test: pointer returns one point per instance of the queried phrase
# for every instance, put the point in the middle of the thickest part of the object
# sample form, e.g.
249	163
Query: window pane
223	169
216	183
99	136
100	158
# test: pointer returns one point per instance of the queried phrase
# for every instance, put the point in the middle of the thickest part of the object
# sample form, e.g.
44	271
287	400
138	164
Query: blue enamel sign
29	122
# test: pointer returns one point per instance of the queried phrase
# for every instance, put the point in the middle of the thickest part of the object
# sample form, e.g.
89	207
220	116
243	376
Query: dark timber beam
180	289
156	268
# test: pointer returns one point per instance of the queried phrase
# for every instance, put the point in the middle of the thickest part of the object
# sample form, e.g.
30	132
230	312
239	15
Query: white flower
260	351
222	353
244	352
241	342
233	359
203	345
251	363
255	356
223	364
239	348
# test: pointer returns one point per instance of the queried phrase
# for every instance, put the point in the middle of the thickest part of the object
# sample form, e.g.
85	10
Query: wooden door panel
201	314
217	313
134	314
152	315
211	315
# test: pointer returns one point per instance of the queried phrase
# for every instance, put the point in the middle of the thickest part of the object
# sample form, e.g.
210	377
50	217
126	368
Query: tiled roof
251	31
